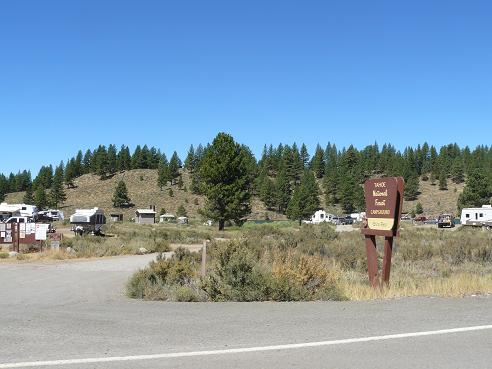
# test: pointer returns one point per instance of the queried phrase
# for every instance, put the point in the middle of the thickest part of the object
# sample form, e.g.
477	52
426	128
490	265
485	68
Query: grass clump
238	273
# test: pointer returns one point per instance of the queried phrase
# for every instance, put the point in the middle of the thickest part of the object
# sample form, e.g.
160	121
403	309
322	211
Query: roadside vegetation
308	263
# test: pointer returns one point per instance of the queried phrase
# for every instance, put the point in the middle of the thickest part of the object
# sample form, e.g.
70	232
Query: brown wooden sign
384	202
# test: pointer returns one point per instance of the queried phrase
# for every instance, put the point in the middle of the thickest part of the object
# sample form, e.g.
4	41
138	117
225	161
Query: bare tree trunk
221	225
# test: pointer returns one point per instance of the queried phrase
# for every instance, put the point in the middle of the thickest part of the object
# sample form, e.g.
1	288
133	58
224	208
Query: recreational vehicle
477	217
320	216
88	221
51	215
17	210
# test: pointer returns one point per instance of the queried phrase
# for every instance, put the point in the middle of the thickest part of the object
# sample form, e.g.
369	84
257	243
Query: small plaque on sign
381	203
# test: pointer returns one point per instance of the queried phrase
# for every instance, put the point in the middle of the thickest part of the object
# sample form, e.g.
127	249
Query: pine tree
190	160
163	173
99	162
4	187
304	156
70	173
419	209
120	196
87	162
348	194
305	200
330	185
171	192
476	192
411	188
458	171
40	198
180	182
181	212
124	161
282	192
318	162
443	181
294	209
226	180
78	165
111	160
28	197
267	192
174	165
57	194
137	161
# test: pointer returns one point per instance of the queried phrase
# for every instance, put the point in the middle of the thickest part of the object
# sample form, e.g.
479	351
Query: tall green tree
174	165
443	181
163	172
267	192
70	173
120	196
318	162
411	188
226	180
111	160
305	200
57	194
28	197
124	161
282	191
304	156
476	192
40	198
348	194
190	160
458	171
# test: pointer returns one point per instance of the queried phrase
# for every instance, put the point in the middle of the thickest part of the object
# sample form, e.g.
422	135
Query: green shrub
4	255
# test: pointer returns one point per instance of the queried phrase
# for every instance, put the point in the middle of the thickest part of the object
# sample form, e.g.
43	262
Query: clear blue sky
74	74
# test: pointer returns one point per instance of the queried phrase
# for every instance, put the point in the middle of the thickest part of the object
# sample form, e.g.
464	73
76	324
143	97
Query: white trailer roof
88	212
145	211
9	208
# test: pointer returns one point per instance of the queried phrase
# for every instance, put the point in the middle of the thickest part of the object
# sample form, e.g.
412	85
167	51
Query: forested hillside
287	178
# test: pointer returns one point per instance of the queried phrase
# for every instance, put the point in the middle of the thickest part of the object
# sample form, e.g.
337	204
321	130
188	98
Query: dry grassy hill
143	190
91	191
434	201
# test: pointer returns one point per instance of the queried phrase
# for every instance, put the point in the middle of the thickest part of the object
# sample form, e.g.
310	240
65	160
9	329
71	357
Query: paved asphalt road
77	311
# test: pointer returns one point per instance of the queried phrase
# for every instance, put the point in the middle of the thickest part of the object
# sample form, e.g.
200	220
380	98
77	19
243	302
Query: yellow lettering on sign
380	212
379	202
380	193
380	224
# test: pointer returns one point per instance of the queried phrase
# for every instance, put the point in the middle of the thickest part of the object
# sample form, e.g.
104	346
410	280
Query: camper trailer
88	221
17	210
477	217
320	216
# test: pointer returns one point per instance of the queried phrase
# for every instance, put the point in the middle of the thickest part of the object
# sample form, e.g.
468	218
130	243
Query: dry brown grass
458	285
434	201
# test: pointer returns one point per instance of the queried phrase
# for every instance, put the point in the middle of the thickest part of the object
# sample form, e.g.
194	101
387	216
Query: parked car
19	220
445	221
420	218
348	220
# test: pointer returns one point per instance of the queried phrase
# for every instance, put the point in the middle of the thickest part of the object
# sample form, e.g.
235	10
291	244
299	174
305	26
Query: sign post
384	202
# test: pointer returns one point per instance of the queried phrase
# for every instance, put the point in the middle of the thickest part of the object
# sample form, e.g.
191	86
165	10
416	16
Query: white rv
88	221
320	216
17	210
477	216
